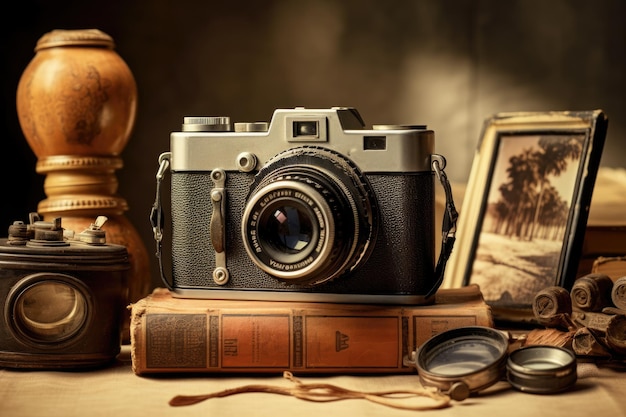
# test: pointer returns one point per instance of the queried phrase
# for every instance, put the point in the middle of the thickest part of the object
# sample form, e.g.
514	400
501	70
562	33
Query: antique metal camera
309	207
63	296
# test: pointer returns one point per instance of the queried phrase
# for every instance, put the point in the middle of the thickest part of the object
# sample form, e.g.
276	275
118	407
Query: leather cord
322	392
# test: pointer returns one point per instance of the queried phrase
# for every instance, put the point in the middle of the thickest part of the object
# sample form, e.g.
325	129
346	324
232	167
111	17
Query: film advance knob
207	124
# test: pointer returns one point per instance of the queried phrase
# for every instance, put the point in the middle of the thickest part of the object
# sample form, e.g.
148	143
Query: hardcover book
602	241
613	266
175	335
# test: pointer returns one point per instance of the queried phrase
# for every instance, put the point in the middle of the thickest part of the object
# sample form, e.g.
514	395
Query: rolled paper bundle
585	343
592	292
618	293
552	306
593	320
616	334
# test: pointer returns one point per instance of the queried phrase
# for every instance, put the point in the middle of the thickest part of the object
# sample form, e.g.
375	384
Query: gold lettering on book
341	341
230	347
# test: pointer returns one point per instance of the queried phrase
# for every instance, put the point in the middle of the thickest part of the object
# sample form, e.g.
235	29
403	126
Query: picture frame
525	208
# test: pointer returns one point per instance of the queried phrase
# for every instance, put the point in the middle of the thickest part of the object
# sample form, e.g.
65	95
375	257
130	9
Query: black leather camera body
309	207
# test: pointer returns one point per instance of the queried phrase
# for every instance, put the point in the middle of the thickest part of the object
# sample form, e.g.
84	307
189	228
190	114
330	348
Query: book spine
274	341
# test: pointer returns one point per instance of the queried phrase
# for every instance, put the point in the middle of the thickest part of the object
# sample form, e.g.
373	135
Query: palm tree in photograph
518	193
529	205
552	159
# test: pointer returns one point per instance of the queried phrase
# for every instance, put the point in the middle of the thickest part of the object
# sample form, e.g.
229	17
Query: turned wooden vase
76	103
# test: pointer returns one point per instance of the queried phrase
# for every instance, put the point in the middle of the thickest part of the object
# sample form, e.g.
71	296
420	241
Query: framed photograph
525	209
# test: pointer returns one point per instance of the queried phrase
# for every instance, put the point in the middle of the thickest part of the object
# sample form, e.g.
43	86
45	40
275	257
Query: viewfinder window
375	143
305	128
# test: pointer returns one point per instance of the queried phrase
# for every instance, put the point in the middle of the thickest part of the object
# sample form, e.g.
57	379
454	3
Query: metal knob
207	124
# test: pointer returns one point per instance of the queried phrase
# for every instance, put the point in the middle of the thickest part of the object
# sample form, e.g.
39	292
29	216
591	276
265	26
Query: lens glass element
464	356
50	311
288	229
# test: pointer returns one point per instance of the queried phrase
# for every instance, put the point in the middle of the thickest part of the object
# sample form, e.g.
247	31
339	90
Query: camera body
309	207
63	296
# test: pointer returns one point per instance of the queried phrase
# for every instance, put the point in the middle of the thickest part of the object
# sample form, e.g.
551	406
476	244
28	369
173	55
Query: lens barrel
310	216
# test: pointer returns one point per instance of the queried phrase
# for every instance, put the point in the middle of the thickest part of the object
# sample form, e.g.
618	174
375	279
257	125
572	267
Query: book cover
613	266
607	241
174	335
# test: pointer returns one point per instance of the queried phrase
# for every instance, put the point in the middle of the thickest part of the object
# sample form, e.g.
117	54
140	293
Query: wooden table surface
117	391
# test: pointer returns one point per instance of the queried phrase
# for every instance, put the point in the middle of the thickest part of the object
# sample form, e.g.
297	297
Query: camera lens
48	308
288	229
310	216
51	310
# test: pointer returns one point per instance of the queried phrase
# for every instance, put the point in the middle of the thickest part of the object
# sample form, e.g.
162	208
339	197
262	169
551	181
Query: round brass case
541	369
463	361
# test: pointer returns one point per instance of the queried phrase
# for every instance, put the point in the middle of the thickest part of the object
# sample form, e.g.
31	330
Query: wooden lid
77	37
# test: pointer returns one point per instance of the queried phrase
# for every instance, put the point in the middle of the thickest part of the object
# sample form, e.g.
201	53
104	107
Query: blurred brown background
445	63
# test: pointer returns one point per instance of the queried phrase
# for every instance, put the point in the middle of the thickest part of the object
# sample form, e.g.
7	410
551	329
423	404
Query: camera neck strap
448	227
156	215
450	217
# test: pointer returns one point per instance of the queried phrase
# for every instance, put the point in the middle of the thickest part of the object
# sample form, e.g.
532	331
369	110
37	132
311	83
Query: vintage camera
63	296
310	207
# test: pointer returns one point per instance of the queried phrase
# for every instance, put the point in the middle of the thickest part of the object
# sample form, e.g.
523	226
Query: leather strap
448	227
322	392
